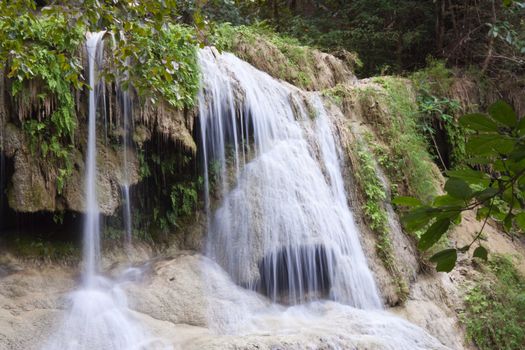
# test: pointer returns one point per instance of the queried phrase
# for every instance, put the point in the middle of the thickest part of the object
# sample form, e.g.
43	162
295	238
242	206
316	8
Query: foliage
184	200
373	189
37	248
374	210
43	49
384	33
437	113
173	186
489	34
163	63
494	186
394	36
40	50
296	60
495	307
411	167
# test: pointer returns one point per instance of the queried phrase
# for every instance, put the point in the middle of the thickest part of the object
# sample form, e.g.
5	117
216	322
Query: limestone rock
189	303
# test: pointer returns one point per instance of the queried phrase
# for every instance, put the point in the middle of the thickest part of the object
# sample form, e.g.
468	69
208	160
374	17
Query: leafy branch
493	184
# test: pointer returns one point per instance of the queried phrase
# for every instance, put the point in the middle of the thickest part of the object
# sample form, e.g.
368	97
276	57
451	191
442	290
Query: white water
98	317
279	223
94	46
283	226
127	121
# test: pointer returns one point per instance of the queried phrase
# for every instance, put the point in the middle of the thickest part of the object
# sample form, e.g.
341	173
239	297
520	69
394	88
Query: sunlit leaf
433	234
458	188
470	176
480	252
445	259
503	113
520	221
478	122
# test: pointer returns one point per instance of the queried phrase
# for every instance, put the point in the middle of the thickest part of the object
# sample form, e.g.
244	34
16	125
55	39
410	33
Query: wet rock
33	185
188	303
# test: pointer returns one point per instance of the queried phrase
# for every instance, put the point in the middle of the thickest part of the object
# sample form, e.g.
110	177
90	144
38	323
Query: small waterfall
127	126
98	317
94	46
283	226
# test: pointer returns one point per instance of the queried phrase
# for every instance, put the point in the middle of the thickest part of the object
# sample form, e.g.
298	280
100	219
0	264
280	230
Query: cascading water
98	317
127	124
94	46
285	228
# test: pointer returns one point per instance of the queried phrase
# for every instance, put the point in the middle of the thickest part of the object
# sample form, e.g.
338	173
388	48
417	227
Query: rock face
188	302
33	184
314	70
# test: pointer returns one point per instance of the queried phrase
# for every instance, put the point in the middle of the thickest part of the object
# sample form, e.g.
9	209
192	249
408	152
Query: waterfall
98	317
283	225
127	122
94	46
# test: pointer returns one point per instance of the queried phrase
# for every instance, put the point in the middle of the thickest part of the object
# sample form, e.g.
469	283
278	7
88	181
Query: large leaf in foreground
433	234
445	259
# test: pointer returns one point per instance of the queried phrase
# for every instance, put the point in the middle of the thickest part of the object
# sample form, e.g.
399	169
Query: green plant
166	63
374	210
410	164
296	61
184	200
437	112
40	52
496	146
495	307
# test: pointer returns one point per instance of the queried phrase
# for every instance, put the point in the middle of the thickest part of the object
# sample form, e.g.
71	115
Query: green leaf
406	201
478	122
507	222
445	259
458	188
520	221
480	252
433	234
503	113
486	193
469	175
482	213
518	154
489	144
418	218
481	144
521	126
448	201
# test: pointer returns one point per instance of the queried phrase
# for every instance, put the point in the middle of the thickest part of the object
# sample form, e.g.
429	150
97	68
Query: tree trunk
275	9
440	25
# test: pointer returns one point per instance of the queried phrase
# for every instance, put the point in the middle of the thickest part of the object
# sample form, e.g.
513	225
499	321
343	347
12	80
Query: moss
495	307
337	94
375	213
39	249
280	56
395	112
438	110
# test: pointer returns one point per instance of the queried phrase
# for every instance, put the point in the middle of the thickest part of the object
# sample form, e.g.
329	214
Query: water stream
283	227
98	316
127	129
279	225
